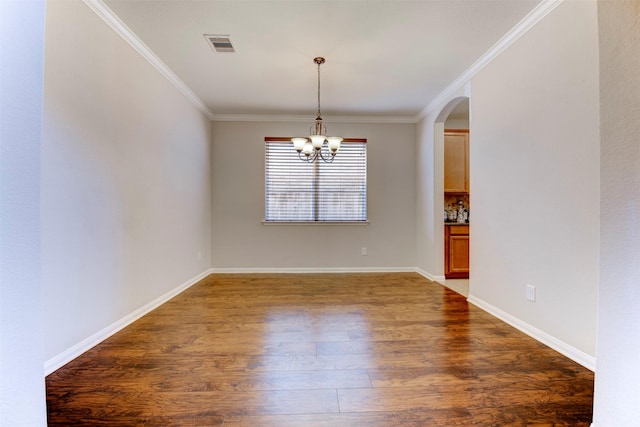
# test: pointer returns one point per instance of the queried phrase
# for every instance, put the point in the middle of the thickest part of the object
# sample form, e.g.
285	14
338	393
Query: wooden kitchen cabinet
456	161
456	251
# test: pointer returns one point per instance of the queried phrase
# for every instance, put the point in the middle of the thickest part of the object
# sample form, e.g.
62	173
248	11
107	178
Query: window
297	191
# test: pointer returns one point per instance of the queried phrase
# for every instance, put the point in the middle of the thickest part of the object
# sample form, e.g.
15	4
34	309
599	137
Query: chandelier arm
310	158
330	156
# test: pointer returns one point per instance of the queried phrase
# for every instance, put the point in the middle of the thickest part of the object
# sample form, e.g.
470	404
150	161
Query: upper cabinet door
456	162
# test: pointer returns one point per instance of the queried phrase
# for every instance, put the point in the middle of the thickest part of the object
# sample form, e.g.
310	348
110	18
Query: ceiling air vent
219	43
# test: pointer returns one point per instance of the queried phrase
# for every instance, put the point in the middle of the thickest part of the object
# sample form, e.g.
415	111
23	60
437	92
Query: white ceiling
383	58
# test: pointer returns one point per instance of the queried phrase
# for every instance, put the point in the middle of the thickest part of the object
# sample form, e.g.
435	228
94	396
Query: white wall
617	387
22	390
429	182
125	180
242	242
535	179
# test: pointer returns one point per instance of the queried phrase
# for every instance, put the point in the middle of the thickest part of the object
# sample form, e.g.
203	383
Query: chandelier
313	147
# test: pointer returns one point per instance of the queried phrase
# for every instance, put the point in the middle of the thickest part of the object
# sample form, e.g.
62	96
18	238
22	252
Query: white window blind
297	191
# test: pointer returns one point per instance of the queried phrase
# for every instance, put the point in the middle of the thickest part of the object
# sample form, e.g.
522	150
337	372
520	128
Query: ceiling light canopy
311	148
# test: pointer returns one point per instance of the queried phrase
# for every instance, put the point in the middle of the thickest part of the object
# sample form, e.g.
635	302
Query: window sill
264	222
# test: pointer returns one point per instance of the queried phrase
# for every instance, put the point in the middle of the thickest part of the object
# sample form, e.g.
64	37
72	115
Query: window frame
316	193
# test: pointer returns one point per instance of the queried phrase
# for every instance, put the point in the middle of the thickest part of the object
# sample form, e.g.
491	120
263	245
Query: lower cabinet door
456	254
459	255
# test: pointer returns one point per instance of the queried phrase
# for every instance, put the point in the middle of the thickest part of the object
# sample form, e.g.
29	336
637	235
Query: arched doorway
453	141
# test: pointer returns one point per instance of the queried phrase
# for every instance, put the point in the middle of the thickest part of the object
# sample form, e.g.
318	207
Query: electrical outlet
531	293
363	251
199	256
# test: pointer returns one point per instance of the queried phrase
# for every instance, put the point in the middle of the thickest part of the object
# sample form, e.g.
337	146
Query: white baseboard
71	353
426	274
314	270
68	355
561	347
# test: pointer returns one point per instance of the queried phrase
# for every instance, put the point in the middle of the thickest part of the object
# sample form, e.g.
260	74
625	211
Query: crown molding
543	9
107	15
310	118
111	19
528	22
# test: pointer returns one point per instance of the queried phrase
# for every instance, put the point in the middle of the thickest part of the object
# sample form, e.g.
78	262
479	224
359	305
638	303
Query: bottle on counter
462	216
453	214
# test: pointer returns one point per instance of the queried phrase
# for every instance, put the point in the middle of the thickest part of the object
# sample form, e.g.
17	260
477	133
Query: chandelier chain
311	147
319	88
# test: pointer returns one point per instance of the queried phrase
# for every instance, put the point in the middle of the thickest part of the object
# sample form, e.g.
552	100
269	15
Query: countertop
455	223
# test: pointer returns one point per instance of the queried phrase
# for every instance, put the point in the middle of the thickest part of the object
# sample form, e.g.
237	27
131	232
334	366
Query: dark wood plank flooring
319	350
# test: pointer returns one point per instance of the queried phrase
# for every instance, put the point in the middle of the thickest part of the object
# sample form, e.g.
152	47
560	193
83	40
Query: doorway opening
456	198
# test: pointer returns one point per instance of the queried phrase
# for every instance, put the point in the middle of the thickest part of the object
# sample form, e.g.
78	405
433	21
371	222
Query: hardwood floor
319	350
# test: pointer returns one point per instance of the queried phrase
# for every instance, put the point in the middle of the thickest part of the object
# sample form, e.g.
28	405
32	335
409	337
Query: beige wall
535	179
456	124
125	186
242	242
617	388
